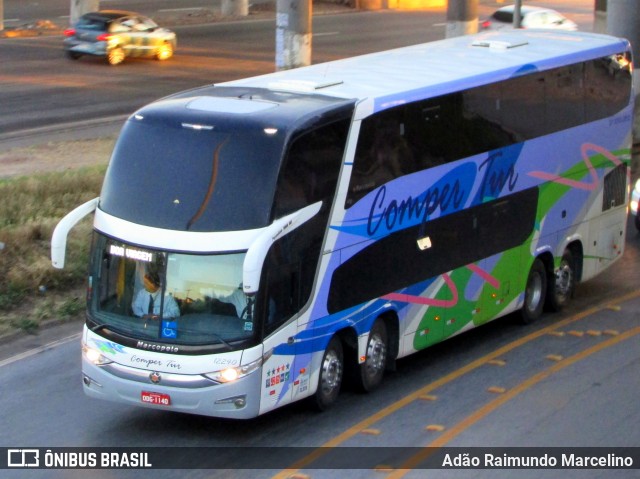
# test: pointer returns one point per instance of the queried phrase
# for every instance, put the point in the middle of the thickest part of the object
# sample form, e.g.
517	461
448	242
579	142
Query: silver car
531	17
116	35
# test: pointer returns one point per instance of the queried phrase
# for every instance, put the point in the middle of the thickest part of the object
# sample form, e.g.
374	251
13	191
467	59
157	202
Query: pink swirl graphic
443	303
587	161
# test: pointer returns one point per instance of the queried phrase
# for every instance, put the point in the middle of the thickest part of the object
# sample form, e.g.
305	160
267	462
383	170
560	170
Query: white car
531	17
633	204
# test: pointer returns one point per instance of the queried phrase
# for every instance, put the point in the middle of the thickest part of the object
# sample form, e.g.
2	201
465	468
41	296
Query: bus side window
311	169
523	106
608	83
382	154
565	97
281	297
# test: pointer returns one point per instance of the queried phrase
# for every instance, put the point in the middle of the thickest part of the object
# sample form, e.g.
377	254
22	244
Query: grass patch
30	208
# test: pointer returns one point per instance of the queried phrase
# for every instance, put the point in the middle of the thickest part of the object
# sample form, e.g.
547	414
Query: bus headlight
94	356
232	374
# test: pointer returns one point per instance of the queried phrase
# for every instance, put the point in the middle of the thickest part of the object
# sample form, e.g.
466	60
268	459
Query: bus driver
147	302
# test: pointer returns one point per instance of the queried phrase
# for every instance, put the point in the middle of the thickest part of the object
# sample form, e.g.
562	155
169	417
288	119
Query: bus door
278	330
289	269
277	371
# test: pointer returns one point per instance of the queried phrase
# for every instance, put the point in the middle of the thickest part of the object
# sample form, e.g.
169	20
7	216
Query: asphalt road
40	89
75	91
19	12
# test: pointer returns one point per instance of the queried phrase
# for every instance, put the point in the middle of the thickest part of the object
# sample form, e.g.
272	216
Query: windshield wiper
99	327
223	341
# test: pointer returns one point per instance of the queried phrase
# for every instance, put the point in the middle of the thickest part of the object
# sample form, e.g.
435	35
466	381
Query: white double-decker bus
277	238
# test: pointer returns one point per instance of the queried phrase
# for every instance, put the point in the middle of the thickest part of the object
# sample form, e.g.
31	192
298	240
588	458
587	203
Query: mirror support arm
60	233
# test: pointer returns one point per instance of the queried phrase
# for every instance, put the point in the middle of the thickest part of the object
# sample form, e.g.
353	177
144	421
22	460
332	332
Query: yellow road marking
556	333
428	397
434	427
497	362
387	411
488	408
496	389
554	357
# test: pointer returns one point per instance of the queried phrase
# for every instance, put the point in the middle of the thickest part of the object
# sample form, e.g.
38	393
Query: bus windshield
170	176
169	297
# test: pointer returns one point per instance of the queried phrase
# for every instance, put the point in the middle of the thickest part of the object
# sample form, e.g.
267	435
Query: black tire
372	370
534	293
164	51
73	55
116	56
562	284
331	373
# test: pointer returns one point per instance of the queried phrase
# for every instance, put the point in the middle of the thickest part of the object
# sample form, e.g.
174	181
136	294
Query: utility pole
80	7
293	34
235	8
600	16
462	18
623	20
517	14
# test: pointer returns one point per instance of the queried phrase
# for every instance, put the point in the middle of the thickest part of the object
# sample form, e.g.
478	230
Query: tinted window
431	132
122	26
565	102
311	168
168	176
310	174
92	24
607	83
502	16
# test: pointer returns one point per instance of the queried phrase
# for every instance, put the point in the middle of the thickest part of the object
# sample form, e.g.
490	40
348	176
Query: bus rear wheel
331	372
372	370
535	292
564	282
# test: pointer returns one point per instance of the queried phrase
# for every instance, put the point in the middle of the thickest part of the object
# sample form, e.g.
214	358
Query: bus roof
385	79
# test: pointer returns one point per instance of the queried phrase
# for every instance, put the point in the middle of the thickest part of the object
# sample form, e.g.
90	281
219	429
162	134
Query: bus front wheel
535	292
372	370
331	372
563	285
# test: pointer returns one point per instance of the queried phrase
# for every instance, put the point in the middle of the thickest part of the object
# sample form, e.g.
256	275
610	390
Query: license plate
155	398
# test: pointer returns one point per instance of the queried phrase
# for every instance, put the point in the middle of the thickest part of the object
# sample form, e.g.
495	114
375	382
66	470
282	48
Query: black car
117	34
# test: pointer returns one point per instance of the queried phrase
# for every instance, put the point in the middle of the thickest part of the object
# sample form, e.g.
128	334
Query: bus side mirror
60	233
257	253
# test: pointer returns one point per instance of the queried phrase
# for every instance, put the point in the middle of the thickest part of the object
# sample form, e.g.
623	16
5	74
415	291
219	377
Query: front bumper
193	394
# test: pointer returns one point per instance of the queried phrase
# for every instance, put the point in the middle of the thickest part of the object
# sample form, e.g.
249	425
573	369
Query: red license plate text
155	398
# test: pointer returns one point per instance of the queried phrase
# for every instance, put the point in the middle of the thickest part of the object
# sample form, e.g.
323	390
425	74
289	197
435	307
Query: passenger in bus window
388	157
234	297
148	301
